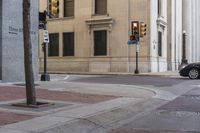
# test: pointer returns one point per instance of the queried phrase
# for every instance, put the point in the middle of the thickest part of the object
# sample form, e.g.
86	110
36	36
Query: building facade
191	20
11	40
183	16
92	35
174	34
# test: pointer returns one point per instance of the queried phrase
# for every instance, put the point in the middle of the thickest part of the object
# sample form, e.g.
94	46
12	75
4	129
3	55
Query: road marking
66	77
196	85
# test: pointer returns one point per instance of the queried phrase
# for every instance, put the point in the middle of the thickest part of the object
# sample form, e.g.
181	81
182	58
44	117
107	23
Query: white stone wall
191	22
178	32
12	40
158	23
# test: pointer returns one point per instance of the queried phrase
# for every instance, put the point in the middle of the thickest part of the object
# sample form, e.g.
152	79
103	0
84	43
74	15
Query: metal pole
45	76
137	50
129	60
184	60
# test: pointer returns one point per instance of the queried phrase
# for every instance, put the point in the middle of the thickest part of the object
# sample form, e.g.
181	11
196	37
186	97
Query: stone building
183	16
91	36
11	39
191	21
174	34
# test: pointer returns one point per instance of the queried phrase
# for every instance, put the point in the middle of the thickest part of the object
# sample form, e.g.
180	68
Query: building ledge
161	22
100	22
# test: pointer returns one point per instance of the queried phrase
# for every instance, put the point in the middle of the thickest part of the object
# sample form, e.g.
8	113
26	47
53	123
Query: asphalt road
157	81
175	110
179	115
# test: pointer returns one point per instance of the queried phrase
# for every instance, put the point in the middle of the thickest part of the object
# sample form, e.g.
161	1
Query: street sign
41	26
132	42
45	36
137	48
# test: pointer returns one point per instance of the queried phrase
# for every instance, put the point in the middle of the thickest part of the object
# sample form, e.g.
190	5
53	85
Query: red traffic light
135	30
135	24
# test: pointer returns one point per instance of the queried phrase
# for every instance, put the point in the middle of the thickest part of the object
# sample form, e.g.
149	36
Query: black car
191	70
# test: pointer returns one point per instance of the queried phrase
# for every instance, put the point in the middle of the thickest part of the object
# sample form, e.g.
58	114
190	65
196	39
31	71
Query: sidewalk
165	73
78	107
73	103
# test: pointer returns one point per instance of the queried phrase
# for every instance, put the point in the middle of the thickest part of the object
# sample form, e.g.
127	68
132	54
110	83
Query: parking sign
45	36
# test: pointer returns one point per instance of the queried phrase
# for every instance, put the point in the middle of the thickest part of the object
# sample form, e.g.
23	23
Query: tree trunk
29	76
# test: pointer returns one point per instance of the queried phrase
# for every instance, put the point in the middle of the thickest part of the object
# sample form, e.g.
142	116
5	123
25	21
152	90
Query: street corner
66	100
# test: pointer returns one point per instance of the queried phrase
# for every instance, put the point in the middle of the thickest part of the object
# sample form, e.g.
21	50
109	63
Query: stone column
187	26
198	28
193	30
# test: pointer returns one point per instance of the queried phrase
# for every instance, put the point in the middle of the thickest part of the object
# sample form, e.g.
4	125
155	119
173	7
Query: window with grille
68	44
100	7
53	44
100	43
160	43
68	8
159	7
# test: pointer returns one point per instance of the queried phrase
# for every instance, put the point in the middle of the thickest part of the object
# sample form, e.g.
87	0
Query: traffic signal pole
45	76
138	30
53	11
137	52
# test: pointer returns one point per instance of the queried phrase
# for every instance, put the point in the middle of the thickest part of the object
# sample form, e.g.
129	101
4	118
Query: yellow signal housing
143	29
54	7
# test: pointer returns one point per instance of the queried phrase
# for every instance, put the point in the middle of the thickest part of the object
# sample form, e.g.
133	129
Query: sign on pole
45	36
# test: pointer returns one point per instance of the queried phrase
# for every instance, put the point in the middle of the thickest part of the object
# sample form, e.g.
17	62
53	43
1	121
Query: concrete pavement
80	107
74	104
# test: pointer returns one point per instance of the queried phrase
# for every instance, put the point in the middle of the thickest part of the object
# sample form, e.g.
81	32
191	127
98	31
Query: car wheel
193	73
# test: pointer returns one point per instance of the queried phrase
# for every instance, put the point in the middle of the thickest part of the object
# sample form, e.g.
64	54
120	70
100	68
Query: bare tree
29	76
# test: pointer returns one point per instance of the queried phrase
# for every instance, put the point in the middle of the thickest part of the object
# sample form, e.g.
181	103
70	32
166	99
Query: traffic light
135	30
54	8
42	17
42	20
143	29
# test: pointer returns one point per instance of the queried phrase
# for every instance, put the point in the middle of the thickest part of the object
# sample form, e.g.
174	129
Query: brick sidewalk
12	93
9	117
8	93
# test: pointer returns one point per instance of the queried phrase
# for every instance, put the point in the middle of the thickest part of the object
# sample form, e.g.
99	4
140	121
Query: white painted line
66	77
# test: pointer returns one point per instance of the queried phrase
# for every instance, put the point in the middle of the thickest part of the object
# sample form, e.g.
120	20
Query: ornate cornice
161	22
100	22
